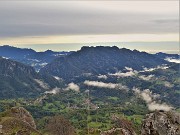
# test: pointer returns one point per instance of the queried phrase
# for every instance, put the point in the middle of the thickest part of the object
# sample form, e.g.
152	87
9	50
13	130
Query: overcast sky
30	23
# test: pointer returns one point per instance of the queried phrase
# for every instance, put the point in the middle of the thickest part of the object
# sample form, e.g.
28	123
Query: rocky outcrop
155	123
22	114
122	127
161	123
117	131
17	121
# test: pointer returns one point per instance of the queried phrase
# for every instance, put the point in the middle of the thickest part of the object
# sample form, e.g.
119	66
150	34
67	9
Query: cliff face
161	123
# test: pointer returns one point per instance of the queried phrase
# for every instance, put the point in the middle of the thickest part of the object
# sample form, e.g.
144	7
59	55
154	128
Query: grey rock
161	123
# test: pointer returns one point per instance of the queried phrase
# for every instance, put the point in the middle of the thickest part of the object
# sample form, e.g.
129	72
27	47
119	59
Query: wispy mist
151	100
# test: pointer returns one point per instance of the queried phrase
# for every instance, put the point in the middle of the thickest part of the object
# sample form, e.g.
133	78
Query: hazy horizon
68	25
151	47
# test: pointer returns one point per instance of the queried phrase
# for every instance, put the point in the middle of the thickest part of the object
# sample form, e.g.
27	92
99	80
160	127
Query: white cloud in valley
151	100
102	77
73	86
106	85
129	68
53	91
42	84
146	78
124	74
173	60
145	69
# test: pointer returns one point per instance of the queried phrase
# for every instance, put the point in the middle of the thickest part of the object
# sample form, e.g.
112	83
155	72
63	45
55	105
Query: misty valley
98	90
89	67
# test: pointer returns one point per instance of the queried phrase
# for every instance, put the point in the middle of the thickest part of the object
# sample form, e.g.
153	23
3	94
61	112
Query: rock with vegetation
17	121
117	131
24	115
58	125
122	127
161	123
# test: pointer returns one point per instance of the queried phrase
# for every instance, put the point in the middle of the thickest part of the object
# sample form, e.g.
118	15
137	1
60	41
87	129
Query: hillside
19	80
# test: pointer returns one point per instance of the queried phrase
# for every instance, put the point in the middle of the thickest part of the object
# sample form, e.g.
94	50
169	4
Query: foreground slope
17	121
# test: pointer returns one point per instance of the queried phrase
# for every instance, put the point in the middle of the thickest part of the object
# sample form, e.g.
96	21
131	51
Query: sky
150	26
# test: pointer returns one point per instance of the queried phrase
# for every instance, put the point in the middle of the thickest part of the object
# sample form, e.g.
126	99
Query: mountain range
29	56
118	86
100	60
165	55
19	76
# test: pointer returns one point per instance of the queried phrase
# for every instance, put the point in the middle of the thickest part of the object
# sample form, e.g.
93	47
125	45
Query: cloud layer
36	18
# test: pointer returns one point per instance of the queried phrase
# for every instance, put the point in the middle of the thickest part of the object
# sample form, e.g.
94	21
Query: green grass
136	119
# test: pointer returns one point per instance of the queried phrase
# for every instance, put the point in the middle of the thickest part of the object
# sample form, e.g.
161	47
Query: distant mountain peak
16	48
48	51
99	47
30	56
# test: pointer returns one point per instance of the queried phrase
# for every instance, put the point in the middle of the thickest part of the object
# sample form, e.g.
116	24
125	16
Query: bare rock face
24	115
161	123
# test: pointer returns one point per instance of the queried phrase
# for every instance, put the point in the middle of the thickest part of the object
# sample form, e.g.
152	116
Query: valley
94	90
